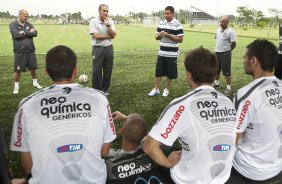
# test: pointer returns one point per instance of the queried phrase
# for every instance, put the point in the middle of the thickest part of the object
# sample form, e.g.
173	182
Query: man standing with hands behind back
24	50
102	30
225	43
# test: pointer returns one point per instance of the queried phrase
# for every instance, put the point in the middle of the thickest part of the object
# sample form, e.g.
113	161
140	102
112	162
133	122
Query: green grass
133	73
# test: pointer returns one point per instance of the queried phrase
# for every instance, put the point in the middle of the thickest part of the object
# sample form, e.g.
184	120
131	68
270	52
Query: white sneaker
154	92
37	85
16	90
165	92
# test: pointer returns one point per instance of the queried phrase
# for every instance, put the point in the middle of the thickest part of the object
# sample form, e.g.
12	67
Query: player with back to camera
63	131
203	121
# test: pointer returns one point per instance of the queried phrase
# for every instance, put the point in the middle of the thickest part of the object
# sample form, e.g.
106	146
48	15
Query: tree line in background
246	18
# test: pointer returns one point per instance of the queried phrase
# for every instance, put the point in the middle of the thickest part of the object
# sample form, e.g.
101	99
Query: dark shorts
224	60
166	67
25	60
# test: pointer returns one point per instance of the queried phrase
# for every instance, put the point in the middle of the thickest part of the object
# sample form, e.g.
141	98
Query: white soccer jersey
64	128
259	116
204	123
224	38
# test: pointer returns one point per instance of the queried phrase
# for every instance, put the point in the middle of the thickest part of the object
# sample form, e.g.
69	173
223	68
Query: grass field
133	73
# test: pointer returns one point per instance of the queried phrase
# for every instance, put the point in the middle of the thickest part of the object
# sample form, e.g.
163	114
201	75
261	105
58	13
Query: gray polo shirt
224	38
97	26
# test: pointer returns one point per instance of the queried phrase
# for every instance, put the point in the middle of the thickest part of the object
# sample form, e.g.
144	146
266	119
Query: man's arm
105	149
238	135
26	161
233	45
31	33
153	150
170	36
16	34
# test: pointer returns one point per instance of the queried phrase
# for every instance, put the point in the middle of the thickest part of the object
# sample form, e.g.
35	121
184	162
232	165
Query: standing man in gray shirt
102	30
24	50
225	43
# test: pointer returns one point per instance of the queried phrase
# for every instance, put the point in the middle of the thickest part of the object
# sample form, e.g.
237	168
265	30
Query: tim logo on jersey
69	148
221	147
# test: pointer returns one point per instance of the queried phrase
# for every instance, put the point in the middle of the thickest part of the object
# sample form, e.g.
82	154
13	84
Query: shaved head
135	128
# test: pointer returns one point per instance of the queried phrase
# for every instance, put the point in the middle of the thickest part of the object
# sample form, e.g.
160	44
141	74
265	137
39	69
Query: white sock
34	81
228	87
216	82
17	84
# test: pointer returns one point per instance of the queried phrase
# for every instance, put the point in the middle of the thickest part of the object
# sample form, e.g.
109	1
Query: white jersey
224	38
259	116
64	128
204	123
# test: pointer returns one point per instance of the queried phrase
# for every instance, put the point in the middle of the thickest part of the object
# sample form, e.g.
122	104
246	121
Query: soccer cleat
37	85
215	85
154	92
16	90
165	92
228	92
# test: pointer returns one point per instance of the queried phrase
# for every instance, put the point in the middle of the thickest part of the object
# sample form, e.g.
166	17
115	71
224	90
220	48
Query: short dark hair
60	62
170	8
265	51
136	128
100	6
202	64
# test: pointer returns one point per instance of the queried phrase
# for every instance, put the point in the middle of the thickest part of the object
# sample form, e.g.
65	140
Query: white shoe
37	85
165	92
16	90
154	92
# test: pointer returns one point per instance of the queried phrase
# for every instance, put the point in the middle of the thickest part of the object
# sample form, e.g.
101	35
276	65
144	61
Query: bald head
135	128
224	21
23	16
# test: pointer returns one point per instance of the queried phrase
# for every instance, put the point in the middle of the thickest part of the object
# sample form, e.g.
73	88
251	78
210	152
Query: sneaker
165	92
227	92
16	90
154	92
215	85
37	85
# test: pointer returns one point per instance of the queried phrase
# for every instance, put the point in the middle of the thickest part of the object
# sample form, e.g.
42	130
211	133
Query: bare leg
158	82
228	80
17	76
33	74
167	83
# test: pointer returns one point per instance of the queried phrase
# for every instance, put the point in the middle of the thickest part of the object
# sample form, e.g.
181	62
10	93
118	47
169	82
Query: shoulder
13	22
177	23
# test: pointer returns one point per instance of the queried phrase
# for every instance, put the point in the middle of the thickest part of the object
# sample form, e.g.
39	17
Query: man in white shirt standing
225	43
64	130
102	31
259	118
203	121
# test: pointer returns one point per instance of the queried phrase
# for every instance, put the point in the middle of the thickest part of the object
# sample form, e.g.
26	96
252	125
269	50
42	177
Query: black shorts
224	61
25	60
166	67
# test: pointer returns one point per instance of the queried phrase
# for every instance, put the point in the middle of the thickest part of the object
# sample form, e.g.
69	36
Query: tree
245	15
277	14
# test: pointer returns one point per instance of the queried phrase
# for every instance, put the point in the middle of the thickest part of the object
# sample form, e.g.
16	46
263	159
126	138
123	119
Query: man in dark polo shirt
24	50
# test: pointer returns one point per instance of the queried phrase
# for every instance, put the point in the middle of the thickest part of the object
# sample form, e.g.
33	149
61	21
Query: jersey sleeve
170	125
93	27
232	36
110	131
244	114
18	138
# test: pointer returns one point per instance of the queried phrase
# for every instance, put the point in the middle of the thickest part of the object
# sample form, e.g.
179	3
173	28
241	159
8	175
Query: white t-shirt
224	38
204	123
97	26
64	128
259	107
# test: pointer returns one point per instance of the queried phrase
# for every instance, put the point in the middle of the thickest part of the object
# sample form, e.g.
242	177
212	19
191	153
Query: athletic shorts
166	67
24	60
224	60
